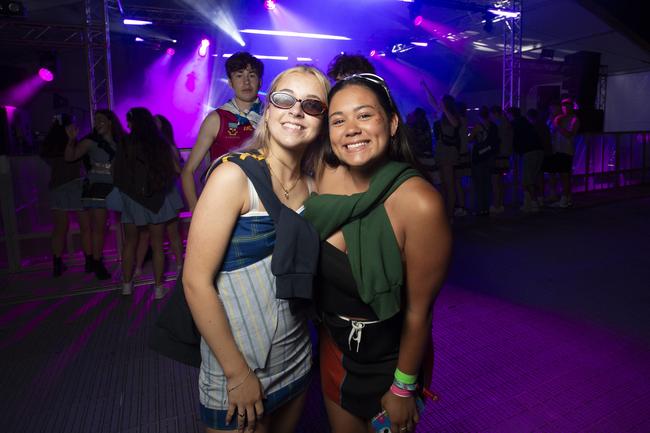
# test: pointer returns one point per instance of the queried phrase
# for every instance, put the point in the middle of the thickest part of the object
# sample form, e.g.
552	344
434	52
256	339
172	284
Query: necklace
286	190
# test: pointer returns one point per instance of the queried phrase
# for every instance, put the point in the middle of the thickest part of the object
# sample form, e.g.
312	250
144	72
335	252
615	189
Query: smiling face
102	124
246	83
359	127
292	128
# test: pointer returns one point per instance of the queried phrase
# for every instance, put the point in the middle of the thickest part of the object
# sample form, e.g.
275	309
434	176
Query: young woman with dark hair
144	172
100	147
171	227
65	186
386	244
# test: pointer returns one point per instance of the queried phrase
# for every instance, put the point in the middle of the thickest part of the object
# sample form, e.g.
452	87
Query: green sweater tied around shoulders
373	252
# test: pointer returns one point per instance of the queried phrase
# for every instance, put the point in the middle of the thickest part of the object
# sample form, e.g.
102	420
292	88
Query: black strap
255	168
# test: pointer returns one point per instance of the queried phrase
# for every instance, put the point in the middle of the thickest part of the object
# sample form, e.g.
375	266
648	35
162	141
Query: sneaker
159	292
100	270
127	288
563	203
460	212
495	210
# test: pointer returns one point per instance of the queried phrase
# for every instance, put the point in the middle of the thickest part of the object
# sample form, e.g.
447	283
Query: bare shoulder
211	124
227	175
415	199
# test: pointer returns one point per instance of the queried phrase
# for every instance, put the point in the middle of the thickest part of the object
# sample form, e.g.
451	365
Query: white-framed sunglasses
373	78
285	101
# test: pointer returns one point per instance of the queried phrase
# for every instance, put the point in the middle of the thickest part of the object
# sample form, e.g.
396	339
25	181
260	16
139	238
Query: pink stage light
203	49
373	53
170	51
45	74
418	20
269	4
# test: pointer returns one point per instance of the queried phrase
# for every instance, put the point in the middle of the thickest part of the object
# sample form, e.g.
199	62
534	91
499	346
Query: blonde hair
261	137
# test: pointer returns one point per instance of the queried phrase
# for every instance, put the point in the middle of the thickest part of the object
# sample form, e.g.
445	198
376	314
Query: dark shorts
558	163
216	419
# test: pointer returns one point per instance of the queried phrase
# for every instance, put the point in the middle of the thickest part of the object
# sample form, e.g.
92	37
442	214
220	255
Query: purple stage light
203	49
170	51
269	4
418	20
130	22
139	39
373	53
45	74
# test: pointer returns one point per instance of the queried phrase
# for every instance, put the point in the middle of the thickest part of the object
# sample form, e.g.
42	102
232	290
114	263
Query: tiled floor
543	326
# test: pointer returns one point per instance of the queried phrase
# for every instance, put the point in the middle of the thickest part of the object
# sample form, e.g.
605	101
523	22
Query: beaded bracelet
400	392
408	379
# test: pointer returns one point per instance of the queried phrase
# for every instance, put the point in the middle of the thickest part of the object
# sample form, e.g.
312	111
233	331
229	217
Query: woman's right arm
74	151
221	203
432	99
207	133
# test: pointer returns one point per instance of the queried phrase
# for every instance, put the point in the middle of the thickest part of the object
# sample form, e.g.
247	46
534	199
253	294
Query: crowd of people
499	141
354	237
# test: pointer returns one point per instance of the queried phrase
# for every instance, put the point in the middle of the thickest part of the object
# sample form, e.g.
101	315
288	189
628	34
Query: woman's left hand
402	412
72	131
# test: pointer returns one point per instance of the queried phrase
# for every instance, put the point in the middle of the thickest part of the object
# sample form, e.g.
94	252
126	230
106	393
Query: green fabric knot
373	251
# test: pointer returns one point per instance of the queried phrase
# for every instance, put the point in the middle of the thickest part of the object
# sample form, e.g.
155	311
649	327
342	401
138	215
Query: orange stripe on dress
331	367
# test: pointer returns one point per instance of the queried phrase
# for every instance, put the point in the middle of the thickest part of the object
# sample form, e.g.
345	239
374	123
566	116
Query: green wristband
407	379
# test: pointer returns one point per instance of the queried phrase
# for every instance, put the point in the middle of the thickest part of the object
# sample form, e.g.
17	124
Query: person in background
100	146
485	138
544	137
502	159
529	149
65	186
448	141
144	172
566	126
464	164
384	252
344	65
256	354
419	133
554	109
172	226
231	125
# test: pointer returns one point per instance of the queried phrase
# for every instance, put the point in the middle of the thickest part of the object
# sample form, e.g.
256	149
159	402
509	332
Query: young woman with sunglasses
385	249
256	355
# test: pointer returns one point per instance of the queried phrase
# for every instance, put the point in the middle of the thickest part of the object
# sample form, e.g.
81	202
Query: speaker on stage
581	77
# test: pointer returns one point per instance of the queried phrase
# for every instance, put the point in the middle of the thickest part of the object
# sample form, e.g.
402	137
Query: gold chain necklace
286	190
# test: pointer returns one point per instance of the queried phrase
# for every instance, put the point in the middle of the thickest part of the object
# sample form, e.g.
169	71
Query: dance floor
542	326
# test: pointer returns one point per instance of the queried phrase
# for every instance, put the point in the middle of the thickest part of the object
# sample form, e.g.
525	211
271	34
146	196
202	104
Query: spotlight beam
295	34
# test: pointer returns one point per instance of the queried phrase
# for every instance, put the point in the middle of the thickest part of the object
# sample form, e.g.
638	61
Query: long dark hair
56	139
398	147
146	145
